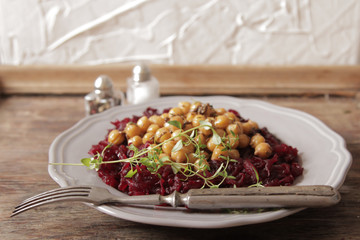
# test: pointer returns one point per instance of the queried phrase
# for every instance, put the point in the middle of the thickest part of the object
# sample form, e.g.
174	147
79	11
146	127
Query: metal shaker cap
141	73
103	85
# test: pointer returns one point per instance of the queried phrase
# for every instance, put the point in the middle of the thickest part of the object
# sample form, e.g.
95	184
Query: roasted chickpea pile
157	130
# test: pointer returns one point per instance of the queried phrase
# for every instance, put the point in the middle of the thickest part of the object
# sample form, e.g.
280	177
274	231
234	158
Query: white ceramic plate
323	153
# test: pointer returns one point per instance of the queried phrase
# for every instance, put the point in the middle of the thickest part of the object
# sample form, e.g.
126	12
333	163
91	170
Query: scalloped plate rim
130	213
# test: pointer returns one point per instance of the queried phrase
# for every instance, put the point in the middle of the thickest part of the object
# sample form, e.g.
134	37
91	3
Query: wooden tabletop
30	122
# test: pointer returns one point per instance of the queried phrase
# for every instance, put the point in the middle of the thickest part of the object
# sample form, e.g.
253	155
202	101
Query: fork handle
259	197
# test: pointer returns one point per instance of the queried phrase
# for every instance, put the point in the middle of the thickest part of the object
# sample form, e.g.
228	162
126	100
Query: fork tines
76	193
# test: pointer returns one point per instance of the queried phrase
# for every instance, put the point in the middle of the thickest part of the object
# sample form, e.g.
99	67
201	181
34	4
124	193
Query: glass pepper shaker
103	96
141	86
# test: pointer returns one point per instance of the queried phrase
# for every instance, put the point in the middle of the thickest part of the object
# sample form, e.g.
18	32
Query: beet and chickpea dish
192	145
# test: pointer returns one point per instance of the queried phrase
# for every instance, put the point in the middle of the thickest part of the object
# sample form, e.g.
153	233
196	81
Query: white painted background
237	32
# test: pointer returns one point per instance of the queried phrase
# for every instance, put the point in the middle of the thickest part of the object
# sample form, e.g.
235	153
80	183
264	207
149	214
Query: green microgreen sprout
95	161
178	146
258	182
175	124
131	173
153	163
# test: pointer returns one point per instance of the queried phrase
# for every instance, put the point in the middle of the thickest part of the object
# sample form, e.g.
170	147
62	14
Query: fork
256	197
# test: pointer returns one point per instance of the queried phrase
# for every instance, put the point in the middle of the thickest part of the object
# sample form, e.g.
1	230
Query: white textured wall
250	32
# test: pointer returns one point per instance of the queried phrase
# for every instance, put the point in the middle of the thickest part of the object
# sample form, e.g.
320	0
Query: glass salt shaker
141	86
103	96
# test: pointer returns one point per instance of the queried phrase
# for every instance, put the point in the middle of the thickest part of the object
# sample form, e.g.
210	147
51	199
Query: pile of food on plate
192	145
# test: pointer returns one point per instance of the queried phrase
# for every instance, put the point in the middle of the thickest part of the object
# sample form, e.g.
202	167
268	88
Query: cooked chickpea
195	106
187	126
206	131
175	118
263	150
132	130
190	116
190	148
136	141
221	121
249	127
116	137
210	145
143	123
176	137
162	134
200	139
185	106
176	111
220	111
231	116
201	165
179	118
192	157
256	140
157	120
153	128
219	150
220	132
244	140
148	137
196	120
179	156
234	154
168	146
232	140
234	128
165	116
211	120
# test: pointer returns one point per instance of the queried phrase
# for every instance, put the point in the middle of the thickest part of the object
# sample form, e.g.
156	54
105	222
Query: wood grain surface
29	123
195	80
